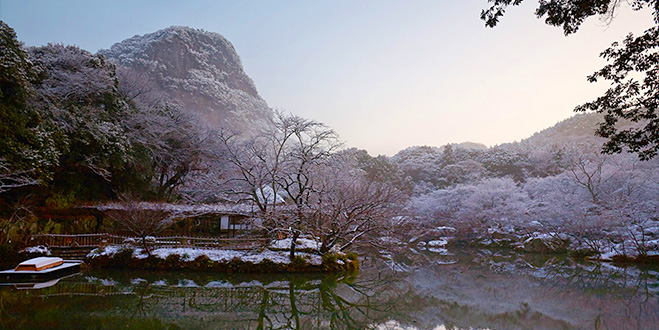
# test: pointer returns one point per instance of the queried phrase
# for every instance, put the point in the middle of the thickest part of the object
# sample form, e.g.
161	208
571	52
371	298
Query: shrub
173	261
124	256
329	258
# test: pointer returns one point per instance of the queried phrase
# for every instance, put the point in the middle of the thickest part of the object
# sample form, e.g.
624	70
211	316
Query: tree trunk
294	312
296	235
262	309
146	246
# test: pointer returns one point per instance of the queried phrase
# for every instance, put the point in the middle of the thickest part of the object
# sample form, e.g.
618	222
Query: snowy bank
190	254
302	244
39	249
254	261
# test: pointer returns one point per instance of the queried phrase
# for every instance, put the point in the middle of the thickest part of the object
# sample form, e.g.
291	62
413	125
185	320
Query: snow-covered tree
78	94
26	145
347	208
286	158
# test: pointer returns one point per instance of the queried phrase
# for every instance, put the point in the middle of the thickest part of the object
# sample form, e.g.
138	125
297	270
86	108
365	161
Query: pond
466	290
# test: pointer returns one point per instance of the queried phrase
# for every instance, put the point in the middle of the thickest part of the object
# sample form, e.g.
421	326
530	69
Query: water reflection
476	290
153	301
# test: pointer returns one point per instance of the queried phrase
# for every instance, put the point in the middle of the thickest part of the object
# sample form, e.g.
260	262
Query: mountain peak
199	69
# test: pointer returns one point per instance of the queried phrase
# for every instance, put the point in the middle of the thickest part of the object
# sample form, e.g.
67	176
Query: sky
384	74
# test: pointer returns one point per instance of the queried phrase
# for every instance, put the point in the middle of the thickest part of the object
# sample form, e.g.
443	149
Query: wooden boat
40	269
39	264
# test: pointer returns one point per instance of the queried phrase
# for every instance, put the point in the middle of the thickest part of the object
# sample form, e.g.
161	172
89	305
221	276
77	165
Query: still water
468	290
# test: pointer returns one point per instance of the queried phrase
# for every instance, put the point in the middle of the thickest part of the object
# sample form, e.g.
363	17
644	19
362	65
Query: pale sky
384	74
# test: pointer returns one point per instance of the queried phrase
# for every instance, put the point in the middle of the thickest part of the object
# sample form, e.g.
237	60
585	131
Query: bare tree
16	224
347	208
281	162
586	171
10	179
139	219
172	140
137	86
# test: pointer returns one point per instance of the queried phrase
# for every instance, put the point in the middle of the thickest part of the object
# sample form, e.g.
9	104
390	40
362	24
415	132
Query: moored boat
40	269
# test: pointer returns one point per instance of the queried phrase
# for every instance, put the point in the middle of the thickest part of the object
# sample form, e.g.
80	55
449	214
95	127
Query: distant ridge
580	127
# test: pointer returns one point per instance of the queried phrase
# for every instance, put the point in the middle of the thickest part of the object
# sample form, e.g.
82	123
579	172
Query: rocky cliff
200	70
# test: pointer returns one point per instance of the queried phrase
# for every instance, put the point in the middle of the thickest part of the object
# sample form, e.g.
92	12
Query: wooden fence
100	240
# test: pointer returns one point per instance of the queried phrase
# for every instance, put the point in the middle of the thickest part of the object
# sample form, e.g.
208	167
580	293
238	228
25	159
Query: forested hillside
555	183
73	130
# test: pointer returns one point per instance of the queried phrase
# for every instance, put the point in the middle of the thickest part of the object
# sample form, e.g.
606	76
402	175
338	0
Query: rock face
200	70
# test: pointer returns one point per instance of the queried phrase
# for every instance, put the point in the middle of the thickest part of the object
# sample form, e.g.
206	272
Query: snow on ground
438	242
390	240
653	247
606	256
109	251
37	249
189	254
302	243
439	250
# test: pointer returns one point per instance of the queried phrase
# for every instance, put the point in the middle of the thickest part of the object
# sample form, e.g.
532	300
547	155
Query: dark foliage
568	14
629	98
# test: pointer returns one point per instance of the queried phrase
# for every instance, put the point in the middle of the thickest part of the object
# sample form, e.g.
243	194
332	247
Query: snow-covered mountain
201	70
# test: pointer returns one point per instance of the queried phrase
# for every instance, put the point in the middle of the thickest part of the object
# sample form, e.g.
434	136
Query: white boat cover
40	263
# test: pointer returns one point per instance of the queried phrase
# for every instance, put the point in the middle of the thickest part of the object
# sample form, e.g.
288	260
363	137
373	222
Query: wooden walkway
101	240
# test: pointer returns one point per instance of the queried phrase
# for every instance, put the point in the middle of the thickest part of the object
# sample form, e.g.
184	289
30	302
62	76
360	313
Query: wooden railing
100	240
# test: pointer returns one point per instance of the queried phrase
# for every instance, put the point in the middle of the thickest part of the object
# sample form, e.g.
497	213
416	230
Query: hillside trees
594	199
474	208
10	178
633	71
77	93
88	130
168	142
377	169
26	146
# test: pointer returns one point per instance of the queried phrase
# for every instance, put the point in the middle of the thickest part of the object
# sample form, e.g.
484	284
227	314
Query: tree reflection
320	302
486	290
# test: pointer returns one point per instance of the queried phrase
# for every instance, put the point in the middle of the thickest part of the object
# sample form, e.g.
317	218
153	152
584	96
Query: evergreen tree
24	144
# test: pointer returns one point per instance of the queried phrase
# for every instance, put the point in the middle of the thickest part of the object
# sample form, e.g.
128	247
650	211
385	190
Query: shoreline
197	259
225	261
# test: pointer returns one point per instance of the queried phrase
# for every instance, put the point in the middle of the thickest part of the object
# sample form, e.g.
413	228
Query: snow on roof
183	209
268	196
